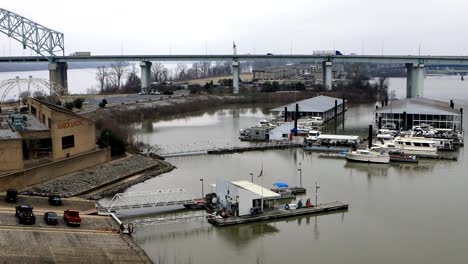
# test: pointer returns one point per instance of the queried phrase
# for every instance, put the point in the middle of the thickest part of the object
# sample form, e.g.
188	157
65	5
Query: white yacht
369	156
415	146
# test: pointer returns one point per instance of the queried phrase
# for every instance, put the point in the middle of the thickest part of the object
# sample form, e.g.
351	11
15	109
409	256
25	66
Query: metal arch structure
42	85
44	41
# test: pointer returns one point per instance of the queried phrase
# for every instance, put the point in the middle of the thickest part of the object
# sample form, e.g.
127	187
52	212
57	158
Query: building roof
257	189
321	103
6	132
59	109
419	105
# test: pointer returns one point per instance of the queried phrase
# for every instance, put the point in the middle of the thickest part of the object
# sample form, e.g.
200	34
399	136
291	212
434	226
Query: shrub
69	105
78	102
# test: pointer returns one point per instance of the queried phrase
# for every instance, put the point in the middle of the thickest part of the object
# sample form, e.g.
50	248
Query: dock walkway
276	214
264	146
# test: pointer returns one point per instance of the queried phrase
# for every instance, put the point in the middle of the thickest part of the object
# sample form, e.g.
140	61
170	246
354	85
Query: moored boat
369	156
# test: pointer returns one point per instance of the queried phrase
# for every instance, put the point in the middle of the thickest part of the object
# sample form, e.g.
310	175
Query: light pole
251	177
202	193
300	174
316	193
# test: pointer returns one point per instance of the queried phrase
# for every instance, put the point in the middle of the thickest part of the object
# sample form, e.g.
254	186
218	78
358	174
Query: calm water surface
399	213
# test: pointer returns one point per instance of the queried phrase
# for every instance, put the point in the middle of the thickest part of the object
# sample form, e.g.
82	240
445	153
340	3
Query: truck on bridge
326	52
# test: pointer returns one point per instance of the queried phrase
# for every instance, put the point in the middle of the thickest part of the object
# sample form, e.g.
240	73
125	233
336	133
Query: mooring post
370	137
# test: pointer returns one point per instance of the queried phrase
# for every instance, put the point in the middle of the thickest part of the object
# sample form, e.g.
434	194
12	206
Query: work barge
277	214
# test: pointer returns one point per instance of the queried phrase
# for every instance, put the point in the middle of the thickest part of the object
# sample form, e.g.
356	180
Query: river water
399	213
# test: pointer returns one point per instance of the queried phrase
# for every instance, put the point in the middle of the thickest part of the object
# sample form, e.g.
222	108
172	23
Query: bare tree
157	72
118	71
180	71
101	76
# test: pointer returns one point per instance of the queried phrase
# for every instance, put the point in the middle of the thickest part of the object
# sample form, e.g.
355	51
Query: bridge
46	42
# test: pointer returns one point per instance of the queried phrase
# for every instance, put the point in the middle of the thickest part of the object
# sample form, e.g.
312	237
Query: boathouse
240	196
323	106
419	111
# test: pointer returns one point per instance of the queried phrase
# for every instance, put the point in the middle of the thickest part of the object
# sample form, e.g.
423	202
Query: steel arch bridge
44	41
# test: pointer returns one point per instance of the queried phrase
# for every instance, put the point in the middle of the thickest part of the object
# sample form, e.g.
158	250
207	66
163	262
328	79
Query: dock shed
419	111
320	106
240	196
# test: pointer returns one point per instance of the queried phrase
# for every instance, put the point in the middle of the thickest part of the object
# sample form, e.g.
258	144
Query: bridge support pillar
235	77
414	80
327	75
145	75
58	77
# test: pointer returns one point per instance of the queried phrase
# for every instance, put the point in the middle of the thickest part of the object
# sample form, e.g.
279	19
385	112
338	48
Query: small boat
197	204
369	156
398	156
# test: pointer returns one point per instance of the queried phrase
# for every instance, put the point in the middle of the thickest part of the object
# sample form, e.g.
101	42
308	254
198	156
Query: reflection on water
411	209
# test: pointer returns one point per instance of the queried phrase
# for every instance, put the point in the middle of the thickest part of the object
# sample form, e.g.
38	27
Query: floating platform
326	149
277	214
256	147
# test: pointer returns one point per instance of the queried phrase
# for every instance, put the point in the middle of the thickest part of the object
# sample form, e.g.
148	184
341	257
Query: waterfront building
320	106
45	133
240	196
419	111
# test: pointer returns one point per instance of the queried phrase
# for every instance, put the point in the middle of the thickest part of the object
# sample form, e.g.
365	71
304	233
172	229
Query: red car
72	217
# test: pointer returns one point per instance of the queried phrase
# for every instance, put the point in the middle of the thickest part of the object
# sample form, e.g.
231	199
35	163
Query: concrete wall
29	177
64	124
82	129
11	155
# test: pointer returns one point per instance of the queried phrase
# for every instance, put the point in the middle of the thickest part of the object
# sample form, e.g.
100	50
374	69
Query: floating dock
277	214
276	145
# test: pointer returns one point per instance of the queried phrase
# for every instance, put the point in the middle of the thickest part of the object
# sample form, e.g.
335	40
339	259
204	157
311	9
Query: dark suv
25	215
55	199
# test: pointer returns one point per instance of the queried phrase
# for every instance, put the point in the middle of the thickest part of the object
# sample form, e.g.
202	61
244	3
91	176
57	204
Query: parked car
72	217
51	218
12	196
55	199
25	215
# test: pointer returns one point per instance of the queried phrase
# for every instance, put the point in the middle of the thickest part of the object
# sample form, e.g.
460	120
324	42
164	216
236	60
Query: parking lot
96	240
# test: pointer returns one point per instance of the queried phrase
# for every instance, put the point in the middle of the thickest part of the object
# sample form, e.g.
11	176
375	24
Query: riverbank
104	180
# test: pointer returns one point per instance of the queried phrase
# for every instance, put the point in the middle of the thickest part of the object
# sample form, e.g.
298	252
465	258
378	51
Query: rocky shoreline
95	180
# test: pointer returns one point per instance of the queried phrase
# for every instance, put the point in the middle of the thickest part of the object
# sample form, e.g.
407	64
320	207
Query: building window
49	122
68	142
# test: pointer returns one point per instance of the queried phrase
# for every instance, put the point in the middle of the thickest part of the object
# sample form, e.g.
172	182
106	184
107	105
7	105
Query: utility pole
251	176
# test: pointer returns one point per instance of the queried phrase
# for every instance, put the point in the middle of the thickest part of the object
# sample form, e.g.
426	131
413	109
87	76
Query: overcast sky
200	26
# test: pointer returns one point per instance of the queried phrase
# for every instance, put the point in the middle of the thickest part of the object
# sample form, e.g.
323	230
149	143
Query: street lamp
202	193
300	174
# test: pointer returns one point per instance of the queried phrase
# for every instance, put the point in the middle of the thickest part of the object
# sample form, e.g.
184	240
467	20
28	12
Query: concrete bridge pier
145	67
327	75
58	76
235	77
414	80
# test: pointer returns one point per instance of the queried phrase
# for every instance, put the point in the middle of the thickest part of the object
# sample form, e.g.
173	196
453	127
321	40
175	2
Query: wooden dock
276	214
266	146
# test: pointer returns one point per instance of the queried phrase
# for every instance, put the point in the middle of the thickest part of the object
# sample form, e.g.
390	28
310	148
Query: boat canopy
338	137
280	184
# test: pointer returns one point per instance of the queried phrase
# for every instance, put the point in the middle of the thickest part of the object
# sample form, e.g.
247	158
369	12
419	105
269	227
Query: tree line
122	77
